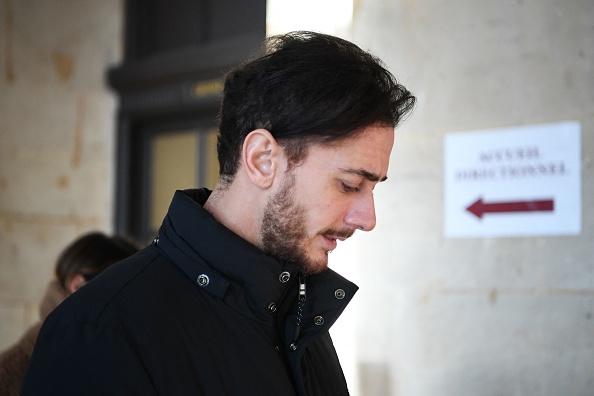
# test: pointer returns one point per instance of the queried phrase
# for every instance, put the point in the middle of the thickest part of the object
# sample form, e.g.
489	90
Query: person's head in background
89	255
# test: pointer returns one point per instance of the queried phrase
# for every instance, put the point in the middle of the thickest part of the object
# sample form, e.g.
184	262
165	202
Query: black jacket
199	312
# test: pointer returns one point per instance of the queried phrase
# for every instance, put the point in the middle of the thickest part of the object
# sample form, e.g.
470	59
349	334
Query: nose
362	213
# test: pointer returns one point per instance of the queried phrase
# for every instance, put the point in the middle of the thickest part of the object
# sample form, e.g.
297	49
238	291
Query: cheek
327	214
324	204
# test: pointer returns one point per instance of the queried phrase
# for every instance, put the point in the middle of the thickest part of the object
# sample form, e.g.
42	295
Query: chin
316	265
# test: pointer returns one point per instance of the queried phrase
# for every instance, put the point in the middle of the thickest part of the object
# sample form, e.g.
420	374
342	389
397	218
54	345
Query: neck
230	208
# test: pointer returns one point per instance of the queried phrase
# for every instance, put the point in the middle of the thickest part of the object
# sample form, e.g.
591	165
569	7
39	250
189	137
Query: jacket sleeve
85	359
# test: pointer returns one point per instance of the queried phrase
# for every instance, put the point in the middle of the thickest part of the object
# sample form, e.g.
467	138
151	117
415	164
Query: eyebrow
365	174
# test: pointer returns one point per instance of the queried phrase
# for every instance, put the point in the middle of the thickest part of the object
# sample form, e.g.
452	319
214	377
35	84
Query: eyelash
347	188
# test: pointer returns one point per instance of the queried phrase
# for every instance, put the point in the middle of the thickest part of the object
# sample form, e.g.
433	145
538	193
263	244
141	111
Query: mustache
339	233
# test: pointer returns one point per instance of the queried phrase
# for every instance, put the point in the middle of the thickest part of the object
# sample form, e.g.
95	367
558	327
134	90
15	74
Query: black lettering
485	157
532	152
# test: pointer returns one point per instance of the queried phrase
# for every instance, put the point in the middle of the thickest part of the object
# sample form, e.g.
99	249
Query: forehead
366	152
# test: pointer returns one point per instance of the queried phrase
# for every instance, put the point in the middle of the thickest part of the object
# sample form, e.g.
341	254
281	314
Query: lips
329	242
332	236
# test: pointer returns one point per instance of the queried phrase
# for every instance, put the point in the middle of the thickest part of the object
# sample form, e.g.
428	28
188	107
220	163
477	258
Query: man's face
326	198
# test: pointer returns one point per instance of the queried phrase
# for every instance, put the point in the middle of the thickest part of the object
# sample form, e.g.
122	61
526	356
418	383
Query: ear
75	283
261	157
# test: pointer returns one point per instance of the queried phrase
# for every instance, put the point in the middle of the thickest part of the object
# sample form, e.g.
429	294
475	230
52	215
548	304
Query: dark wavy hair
90	254
306	88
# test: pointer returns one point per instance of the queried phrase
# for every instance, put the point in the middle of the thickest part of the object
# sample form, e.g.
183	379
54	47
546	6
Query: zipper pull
300	303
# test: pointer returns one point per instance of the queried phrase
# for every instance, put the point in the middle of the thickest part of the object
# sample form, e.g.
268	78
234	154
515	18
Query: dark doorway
169	86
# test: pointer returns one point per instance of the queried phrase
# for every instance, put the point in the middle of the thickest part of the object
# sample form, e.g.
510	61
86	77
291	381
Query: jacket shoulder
90	303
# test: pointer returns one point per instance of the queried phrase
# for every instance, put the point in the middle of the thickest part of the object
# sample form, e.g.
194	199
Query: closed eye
348	188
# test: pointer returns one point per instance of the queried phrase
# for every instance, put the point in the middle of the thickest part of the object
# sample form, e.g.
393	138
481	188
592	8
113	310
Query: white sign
521	181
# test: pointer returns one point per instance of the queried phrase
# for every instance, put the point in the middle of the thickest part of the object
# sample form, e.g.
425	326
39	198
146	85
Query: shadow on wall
375	379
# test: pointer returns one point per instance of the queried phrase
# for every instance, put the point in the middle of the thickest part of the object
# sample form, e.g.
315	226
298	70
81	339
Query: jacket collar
236	271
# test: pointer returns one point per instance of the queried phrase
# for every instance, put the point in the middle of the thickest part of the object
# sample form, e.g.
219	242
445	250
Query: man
234	296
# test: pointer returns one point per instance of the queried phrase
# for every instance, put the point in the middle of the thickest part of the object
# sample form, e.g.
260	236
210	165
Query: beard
283	232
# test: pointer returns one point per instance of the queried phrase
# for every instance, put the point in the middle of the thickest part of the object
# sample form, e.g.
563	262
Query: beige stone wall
56	140
476	316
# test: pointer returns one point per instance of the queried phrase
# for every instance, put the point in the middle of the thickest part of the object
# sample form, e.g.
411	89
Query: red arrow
479	207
